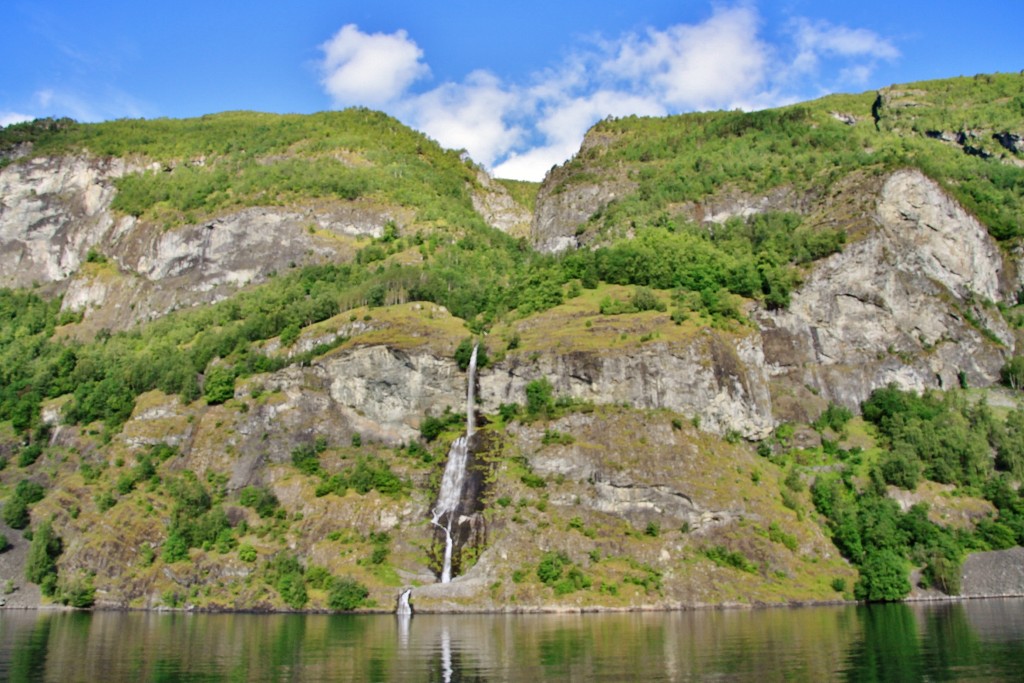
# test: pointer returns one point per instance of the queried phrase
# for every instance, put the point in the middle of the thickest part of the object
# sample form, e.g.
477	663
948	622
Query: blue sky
515	83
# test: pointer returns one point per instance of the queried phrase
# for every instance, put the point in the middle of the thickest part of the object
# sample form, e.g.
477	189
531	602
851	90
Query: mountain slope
231	351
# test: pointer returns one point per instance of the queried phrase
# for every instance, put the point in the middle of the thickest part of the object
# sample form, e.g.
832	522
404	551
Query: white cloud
9	117
370	69
562	125
818	40
521	130
698	66
471	115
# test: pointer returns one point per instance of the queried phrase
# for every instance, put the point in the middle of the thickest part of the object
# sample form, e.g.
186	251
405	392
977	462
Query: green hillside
810	146
651	282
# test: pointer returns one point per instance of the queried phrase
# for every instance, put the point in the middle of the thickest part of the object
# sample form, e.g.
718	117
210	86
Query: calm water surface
976	640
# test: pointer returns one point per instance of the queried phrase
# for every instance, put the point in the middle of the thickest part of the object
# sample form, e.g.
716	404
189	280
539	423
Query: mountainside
725	358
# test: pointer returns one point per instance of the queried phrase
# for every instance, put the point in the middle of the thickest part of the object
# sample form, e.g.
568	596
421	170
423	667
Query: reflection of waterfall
446	655
450	495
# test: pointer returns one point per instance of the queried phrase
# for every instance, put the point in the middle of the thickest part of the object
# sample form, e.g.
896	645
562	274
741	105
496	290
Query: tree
1012	374
346	595
41	564
883	577
220	385
539	400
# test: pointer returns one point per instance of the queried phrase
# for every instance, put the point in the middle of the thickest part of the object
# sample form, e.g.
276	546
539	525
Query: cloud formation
370	69
520	130
9	117
700	66
816	41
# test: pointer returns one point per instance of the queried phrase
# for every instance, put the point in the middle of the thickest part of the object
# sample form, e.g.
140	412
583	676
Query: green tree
1012	373
540	398
220	385
883	577
41	563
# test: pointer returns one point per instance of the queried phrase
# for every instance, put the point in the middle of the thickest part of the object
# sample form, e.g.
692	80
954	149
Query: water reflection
957	641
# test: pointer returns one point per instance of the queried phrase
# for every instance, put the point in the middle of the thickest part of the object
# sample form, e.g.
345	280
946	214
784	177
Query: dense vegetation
941	438
806	148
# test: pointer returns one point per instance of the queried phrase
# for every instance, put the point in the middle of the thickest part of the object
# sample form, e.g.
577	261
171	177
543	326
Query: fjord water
974	640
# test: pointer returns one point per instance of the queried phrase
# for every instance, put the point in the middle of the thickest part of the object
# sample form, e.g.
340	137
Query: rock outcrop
908	303
56	215
52	211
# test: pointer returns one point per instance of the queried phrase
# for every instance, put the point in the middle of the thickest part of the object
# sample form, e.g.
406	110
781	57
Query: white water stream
455	475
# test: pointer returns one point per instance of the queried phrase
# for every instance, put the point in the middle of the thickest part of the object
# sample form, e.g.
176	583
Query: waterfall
450	495
404	609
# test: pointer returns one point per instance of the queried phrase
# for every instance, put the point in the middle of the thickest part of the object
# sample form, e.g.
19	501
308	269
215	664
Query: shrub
78	592
220	385
346	594
433	427
549	569
260	499
306	460
552	436
724	557
29	454
539	398
464	352
16	509
1012	373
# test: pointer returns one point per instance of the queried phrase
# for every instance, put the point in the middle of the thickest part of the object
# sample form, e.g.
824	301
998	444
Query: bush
16	509
78	592
29	454
834	417
1012	373
306	460
220	385
346	594
260	499
175	549
433	427
943	573
539	398
464	352
724	557
549	569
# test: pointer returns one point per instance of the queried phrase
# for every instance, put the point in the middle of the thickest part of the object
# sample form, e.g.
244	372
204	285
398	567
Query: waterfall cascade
404	609
450	495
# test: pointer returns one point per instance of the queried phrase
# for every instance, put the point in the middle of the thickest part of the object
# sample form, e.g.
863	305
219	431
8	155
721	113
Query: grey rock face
896	305
719	379
499	209
52	211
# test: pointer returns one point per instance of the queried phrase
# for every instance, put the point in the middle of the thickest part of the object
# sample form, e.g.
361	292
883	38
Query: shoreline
645	609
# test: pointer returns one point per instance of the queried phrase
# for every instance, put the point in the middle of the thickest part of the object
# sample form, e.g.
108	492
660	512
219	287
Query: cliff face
631	483
909	302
